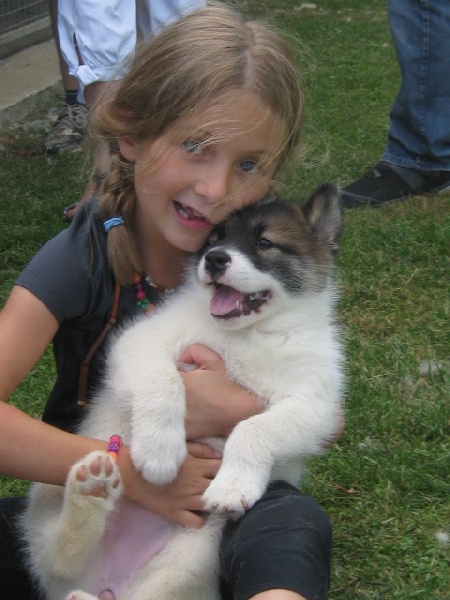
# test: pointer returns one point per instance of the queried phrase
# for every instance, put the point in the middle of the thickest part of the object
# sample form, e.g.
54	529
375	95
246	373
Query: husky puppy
261	295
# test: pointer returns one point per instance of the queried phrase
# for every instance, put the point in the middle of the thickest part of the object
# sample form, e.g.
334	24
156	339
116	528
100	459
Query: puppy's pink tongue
225	300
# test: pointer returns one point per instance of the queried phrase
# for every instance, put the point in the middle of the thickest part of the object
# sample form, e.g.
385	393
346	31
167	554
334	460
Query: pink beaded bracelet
115	441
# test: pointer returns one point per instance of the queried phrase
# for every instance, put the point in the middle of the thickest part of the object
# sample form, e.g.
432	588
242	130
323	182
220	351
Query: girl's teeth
189	213
183	212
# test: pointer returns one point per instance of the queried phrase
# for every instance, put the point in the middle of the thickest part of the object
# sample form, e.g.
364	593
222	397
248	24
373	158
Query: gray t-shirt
72	277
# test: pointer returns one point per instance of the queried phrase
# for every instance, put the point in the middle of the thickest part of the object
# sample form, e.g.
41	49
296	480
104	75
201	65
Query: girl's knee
283	542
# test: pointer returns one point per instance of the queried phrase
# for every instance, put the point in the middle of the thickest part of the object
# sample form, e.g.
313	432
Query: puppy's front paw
232	495
95	476
160	465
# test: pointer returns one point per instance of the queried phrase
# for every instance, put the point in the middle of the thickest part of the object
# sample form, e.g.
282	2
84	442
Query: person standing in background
416	159
69	129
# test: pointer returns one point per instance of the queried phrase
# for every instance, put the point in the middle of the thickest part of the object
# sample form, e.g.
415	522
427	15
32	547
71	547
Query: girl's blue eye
249	166
192	146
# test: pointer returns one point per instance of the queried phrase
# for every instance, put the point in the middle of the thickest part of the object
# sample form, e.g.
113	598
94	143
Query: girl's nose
214	184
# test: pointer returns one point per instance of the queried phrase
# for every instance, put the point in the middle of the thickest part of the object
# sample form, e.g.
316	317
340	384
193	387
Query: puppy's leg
289	429
92	489
158	437
154	392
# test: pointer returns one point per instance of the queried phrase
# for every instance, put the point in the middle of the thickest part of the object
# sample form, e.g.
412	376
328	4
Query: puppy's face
268	254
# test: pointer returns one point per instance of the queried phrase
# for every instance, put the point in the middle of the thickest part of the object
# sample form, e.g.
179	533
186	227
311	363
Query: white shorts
97	36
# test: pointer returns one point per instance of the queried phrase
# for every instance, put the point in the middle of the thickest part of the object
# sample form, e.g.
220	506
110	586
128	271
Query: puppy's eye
264	243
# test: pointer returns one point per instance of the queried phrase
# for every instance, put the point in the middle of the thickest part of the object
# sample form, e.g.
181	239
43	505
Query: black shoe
386	182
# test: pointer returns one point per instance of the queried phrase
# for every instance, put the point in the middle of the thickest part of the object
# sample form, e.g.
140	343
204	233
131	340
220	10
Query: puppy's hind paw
96	476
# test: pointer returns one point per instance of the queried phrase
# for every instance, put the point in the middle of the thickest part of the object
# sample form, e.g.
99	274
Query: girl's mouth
190	217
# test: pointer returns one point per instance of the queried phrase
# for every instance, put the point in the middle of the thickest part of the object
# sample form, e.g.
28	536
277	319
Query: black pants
14	581
284	542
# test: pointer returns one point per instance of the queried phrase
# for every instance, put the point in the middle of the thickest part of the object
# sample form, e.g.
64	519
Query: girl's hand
179	501
215	404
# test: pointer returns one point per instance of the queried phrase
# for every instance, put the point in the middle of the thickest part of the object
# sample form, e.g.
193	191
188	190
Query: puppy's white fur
286	351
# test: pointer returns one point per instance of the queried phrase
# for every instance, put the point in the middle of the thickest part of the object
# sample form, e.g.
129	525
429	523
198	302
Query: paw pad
97	475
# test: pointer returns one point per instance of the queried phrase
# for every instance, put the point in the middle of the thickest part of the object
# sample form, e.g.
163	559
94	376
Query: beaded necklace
142	299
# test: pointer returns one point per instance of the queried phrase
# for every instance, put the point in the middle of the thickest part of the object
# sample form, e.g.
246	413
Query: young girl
208	113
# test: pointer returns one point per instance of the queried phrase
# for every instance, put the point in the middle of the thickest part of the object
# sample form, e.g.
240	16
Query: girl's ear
128	148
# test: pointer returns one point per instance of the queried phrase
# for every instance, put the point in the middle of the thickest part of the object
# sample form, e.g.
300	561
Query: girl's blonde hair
204	59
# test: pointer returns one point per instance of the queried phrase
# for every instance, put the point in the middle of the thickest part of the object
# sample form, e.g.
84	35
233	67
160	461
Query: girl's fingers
190	519
195	504
211	469
200	356
201	450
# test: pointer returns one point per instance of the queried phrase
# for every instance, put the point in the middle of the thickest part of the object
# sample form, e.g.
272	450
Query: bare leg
278	595
69	81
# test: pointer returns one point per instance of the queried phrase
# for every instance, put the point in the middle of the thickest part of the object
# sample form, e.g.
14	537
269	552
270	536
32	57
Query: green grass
385	484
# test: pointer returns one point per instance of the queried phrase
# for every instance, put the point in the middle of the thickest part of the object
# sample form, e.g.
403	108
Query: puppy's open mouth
228	303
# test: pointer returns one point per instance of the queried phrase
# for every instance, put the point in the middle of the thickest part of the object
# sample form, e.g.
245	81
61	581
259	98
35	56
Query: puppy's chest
258	362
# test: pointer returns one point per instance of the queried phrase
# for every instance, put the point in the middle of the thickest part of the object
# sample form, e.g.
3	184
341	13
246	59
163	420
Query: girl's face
185	187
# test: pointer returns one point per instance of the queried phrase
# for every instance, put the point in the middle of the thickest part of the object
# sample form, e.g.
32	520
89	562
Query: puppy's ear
325	214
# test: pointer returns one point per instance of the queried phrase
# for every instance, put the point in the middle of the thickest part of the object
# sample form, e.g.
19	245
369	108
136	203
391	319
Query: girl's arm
29	449
35	451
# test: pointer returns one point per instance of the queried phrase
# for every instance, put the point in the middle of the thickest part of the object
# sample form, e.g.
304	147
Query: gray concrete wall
24	76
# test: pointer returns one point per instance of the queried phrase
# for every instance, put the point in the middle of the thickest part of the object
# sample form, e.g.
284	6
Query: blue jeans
419	131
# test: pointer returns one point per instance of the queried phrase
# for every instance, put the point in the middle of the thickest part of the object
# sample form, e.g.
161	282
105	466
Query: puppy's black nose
216	261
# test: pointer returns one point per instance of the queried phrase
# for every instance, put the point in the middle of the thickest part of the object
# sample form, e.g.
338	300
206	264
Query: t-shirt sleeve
66	270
